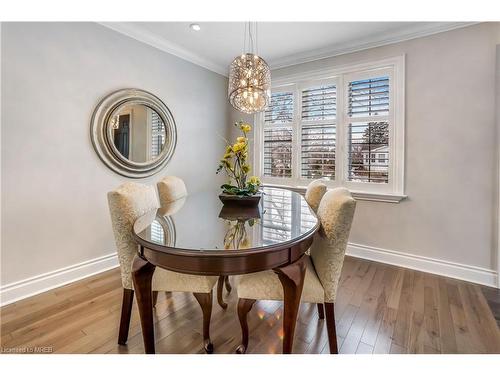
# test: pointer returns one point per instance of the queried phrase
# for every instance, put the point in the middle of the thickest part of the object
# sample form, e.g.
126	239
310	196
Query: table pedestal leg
292	280
142	274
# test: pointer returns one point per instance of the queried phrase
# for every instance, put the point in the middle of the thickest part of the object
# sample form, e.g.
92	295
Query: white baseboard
29	287
18	290
473	274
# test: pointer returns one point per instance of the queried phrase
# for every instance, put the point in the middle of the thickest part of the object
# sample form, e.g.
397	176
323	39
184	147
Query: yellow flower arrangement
254	180
237	147
238	168
246	128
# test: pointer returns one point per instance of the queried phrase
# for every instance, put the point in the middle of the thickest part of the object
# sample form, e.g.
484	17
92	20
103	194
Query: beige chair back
127	203
171	188
315	191
335	212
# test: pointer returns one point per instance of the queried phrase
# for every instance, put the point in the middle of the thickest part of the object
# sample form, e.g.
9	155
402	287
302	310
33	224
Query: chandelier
249	88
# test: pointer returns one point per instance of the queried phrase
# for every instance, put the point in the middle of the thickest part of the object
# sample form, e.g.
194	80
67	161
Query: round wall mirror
133	132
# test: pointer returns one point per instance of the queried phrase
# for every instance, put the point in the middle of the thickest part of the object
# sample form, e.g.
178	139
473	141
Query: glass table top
200	222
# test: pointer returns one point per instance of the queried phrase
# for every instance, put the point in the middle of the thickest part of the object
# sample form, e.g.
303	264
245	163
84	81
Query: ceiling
279	43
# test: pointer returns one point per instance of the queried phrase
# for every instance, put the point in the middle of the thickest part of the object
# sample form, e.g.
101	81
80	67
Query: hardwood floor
379	309
492	296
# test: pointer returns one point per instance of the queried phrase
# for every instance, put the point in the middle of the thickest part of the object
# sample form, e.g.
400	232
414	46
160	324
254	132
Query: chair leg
321	312
228	284
244	306
155	297
330	327
205	301
220	286
128	299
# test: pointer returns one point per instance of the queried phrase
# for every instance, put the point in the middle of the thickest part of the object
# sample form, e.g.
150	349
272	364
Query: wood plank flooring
492	296
379	309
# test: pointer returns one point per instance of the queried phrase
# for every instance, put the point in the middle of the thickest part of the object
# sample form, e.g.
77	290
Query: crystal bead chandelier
249	88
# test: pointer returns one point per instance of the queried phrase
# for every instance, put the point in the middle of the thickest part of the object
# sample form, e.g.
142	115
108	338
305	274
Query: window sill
358	195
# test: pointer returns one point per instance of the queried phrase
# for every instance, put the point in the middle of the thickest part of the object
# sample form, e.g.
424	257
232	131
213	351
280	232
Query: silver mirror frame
100	133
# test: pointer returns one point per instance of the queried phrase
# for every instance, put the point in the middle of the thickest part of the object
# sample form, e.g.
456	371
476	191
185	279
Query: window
280	208
157	134
368	100
157	233
318	131
278	129
345	126
281	109
275	211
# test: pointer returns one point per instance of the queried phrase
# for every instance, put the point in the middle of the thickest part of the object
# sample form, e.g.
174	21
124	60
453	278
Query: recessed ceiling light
195	27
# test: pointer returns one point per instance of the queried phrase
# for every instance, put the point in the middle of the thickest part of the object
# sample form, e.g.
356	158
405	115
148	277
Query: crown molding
147	37
417	31
366	43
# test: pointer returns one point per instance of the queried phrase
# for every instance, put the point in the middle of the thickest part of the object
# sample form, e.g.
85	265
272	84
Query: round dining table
199	235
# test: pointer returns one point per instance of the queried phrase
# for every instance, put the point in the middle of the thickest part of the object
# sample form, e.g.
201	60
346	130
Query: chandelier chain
249	88
256	39
250	34
244	40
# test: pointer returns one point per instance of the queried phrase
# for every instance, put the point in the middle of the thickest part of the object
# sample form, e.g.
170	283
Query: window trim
391	192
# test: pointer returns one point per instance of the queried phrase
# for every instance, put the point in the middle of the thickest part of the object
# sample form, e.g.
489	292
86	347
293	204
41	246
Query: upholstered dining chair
127	203
323	266
314	192
171	188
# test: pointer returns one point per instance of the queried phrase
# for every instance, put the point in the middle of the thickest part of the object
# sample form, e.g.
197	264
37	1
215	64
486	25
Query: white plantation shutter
318	131
279	210
307	220
319	103
276	216
368	151
278	152
368	130
281	108
157	233
344	125
278	134
369	97
157	134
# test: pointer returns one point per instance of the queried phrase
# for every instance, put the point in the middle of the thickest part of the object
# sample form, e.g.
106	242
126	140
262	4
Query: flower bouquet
240	189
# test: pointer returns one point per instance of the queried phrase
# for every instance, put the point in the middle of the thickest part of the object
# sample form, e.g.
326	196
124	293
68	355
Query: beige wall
451	157
54	207
497	202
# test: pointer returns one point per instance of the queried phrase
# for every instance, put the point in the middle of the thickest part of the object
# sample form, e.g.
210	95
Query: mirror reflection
282	215
162	231
237	220
138	133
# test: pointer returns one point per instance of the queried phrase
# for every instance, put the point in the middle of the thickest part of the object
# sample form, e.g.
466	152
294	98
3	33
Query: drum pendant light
249	88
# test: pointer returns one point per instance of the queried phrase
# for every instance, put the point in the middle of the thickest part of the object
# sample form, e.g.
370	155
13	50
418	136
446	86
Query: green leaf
227	186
